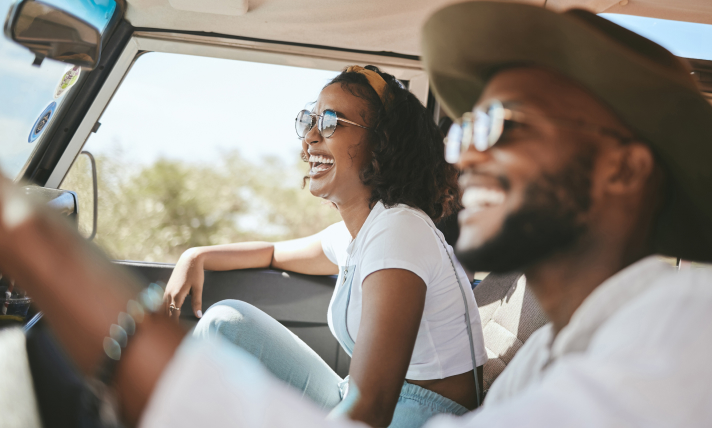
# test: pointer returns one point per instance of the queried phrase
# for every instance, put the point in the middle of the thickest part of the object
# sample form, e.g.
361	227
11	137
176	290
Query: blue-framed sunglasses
326	123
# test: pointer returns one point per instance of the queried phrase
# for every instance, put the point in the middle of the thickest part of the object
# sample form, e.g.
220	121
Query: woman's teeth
320	159
477	198
320	163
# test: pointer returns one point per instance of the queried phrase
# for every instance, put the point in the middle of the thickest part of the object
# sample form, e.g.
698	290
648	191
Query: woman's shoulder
402	212
401	219
401	237
337	232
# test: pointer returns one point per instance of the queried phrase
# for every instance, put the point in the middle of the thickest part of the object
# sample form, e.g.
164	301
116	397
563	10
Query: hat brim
465	44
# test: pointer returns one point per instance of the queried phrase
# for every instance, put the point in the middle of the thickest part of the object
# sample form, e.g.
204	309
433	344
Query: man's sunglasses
484	126
326	123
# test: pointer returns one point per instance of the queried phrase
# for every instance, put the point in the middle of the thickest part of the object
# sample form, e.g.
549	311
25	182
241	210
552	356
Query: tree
155	212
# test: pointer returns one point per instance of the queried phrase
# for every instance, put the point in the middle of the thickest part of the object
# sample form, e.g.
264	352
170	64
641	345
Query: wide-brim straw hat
645	85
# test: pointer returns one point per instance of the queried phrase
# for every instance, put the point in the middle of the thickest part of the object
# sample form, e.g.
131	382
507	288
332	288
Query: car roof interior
368	25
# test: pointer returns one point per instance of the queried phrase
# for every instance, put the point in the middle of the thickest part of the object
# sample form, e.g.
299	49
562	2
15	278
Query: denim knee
227	318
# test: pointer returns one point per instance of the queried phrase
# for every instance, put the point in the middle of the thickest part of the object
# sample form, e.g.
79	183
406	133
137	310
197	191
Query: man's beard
548	222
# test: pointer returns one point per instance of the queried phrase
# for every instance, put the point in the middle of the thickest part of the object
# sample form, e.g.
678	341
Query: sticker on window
69	78
42	122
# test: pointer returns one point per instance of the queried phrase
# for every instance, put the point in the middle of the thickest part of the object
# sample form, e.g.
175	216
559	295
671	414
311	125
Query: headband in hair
374	79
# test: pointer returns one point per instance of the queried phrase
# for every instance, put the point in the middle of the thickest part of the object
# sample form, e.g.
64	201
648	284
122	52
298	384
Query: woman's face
335	162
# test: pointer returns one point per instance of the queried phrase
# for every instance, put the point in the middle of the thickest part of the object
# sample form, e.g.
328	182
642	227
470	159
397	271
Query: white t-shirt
402	237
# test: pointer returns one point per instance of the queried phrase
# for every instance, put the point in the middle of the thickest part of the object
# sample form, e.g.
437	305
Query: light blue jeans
291	360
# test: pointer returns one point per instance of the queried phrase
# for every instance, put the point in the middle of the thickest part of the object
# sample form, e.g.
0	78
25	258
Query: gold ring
172	308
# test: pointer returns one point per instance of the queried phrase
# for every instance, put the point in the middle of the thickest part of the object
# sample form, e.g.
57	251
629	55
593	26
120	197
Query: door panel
299	302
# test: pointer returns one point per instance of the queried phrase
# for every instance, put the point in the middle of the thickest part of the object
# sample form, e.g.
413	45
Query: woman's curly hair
407	156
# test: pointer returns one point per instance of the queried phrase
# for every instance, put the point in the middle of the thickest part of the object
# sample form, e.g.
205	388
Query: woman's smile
320	164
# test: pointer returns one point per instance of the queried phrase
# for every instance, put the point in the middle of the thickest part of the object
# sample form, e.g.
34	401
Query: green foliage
156	212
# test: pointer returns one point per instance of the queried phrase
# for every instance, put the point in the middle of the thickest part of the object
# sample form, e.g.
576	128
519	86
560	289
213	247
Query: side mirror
53	33
62	201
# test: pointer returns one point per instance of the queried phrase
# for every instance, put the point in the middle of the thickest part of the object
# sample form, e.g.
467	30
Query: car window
32	96
196	151
684	39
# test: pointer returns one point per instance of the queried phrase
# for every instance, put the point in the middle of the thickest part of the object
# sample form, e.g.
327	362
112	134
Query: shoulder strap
467	319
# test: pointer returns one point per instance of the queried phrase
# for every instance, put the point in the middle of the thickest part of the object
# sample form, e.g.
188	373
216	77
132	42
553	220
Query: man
588	152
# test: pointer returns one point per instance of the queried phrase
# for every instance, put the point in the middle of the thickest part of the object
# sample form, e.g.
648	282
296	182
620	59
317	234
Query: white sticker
69	78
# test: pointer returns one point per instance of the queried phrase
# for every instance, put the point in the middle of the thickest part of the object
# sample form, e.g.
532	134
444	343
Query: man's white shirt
637	352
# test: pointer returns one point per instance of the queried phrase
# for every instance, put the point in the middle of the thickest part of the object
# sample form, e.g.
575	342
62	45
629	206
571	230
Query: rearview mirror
53	33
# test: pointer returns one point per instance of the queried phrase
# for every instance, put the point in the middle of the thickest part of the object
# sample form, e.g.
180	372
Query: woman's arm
393	302
304	255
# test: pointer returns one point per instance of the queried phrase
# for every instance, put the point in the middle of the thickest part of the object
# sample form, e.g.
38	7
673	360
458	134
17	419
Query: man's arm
81	294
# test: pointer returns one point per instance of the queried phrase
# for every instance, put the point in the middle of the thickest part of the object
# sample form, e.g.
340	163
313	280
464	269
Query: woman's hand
303	255
187	277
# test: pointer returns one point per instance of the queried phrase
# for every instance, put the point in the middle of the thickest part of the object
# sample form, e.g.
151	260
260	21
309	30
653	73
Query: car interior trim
283	54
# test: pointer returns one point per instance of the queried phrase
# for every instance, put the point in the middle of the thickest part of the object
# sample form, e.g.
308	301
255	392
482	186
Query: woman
399	304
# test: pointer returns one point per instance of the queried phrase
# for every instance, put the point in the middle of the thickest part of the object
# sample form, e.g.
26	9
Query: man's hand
81	294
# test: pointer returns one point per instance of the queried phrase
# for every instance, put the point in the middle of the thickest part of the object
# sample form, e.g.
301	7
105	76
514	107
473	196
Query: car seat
510	314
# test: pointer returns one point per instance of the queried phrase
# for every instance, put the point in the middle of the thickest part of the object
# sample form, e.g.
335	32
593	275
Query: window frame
141	42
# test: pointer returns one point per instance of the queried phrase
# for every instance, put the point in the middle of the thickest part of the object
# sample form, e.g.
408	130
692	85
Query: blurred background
196	151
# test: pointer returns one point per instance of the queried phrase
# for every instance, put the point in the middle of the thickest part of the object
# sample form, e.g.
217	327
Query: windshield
32	96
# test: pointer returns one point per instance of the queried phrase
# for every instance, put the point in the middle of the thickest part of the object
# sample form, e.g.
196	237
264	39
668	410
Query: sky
196	109
25	91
